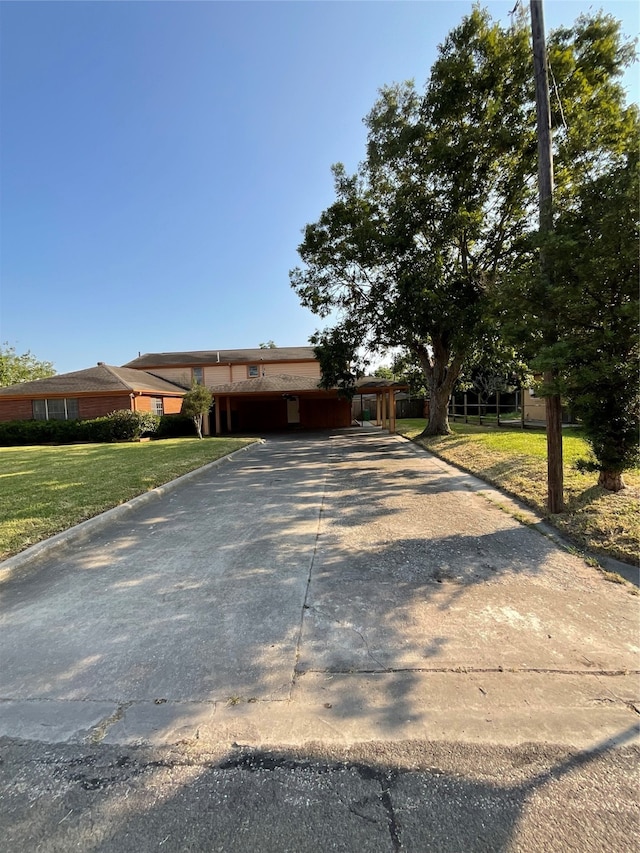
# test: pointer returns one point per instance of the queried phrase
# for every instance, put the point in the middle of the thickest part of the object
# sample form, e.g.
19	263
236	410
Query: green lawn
515	460
44	490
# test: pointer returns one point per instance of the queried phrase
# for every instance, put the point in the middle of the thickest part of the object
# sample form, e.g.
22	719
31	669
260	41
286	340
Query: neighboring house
90	393
255	389
534	406
535	412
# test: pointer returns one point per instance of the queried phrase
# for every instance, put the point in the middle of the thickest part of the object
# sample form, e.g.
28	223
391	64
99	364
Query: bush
38	432
126	425
122	425
175	426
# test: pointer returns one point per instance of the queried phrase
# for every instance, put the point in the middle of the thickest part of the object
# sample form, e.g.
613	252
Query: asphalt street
332	642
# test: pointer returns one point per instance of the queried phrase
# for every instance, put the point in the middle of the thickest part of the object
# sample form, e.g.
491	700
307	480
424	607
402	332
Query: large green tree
594	299
581	322
23	367
418	245
419	235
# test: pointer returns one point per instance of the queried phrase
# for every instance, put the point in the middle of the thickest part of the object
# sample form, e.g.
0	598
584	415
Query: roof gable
102	378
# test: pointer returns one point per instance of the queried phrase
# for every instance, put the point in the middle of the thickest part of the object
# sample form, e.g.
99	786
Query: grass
515	461
44	490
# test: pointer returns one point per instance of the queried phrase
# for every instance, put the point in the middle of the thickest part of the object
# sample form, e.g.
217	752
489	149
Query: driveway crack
305	605
98	732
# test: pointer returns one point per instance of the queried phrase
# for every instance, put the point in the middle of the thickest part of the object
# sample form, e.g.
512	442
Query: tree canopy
424	241
420	233
16	368
581	323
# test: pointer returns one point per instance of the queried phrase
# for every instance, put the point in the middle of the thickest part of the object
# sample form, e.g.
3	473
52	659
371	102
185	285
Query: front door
293	410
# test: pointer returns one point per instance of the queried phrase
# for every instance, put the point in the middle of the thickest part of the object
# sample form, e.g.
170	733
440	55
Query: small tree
195	404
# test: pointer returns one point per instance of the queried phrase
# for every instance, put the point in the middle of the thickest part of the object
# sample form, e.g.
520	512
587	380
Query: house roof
373	383
282	383
223	356
99	379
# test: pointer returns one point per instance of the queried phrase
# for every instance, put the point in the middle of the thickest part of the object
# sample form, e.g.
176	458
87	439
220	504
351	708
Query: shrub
175	426
122	425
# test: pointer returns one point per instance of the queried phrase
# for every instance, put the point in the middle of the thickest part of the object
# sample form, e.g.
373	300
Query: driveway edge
80	531
526	515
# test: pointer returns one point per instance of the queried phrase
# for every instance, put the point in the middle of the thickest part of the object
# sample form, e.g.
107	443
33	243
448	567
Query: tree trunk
612	481
441	372
438	413
198	422
555	469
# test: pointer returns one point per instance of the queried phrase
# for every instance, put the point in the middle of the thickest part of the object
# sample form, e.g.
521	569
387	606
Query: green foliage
122	425
125	425
340	364
268	345
595	261
16	368
384	372
195	404
175	426
418	236
581	321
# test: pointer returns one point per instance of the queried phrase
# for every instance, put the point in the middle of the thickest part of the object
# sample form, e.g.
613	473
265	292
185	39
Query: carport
276	403
280	403
385	394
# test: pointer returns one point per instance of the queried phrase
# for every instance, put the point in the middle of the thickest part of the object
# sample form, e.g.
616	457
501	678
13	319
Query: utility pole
553	403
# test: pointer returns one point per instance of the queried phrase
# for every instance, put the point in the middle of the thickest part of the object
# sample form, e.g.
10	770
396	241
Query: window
56	409
156	405
198	375
252	371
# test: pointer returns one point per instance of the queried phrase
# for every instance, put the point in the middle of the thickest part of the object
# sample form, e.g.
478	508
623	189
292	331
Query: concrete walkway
345	587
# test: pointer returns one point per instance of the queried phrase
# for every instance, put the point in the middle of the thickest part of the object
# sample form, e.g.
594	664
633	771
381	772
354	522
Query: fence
496	409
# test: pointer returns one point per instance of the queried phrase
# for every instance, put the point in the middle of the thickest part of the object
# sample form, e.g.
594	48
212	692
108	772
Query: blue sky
159	160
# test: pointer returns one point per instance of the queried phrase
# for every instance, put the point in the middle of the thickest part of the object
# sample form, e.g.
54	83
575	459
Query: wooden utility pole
553	403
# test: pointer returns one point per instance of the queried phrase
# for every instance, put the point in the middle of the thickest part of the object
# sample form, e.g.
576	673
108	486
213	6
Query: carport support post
378	410
218	427
384	410
392	411
228	414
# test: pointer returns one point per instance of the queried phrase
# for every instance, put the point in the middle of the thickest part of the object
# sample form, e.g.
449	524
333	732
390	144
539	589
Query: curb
538	523
81	531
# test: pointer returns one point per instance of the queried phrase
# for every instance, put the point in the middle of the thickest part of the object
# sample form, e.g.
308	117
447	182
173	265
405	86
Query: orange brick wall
16	410
171	405
96	407
90	407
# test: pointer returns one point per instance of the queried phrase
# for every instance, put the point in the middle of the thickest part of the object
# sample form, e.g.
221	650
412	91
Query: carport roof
279	384
287	384
374	383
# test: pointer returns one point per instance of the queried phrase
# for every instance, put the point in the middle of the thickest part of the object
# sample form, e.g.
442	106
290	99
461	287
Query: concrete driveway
343	588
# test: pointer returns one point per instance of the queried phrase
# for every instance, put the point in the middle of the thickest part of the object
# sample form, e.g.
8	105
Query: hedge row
122	425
